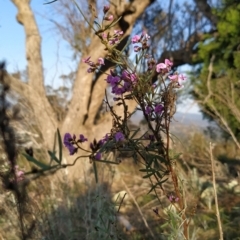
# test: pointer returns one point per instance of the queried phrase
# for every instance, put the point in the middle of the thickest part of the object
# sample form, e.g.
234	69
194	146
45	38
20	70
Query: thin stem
215	193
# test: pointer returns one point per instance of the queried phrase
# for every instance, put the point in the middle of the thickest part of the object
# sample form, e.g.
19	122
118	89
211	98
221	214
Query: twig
215	194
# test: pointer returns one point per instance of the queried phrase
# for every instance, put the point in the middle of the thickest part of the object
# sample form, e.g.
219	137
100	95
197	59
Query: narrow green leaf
147	170
59	145
158	174
95	171
95	22
135	132
35	161
157	184
53	156
148	175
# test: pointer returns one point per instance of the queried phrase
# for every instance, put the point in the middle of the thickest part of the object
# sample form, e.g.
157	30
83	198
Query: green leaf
53	156
59	145
135	132
157	184
148	175
95	171
35	161
95	22
147	170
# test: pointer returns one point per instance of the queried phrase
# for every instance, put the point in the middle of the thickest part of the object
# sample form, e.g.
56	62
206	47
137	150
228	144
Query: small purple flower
82	138
168	62
98	156
113	80
173	198
104	35
161	67
106	8
90	70
127	86
158	109
118	33
101	61
68	143
108	18
67	138
173	77
119	136
118	90
148	110
19	174
164	67
136	39
137	48
113	41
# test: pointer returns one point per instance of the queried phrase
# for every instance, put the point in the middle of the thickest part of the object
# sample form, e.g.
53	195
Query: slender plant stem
215	193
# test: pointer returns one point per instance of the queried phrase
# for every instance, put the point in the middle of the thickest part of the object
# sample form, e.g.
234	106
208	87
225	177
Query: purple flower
173	198
164	67
173	77
106	8
108	18
158	109
136	39
82	138
127	86
119	136
148	110
101	61
19	174
113	80
160	67
168	62
118	33
137	48
113	41
104	35
90	70
118	90
98	156
68	143
126	76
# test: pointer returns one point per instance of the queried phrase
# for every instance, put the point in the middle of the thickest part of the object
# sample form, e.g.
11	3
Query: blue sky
56	53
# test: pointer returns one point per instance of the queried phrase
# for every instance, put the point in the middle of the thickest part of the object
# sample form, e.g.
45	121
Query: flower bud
106	9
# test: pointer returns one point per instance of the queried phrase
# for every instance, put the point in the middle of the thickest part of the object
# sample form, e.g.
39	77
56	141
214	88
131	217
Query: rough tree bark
34	90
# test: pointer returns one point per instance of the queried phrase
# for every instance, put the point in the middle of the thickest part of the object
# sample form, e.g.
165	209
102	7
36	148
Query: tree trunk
36	93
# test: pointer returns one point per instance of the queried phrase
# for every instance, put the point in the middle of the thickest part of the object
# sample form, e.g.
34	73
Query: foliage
217	82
